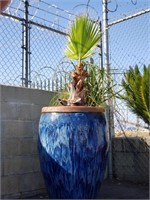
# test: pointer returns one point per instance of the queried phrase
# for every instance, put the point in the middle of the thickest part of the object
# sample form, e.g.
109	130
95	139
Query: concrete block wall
20	110
131	159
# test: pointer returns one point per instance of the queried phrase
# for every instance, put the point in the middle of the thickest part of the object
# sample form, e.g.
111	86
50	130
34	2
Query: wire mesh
48	68
128	45
42	36
10	51
46	55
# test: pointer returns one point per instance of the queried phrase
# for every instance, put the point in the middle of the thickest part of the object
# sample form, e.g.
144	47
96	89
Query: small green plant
100	87
136	87
83	36
89	84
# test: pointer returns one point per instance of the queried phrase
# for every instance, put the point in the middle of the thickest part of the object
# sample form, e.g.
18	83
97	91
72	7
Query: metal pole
22	78
29	53
107	68
100	46
25	46
105	36
142	12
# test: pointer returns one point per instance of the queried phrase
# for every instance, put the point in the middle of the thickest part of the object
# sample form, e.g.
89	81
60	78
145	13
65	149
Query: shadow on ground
123	190
113	189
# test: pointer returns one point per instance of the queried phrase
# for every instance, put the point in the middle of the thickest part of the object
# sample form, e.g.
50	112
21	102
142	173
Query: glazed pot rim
72	109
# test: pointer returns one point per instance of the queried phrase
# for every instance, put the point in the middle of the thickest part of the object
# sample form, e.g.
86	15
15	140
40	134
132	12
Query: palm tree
137	92
83	36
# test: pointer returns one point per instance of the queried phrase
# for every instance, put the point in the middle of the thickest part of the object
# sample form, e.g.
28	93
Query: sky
128	41
136	29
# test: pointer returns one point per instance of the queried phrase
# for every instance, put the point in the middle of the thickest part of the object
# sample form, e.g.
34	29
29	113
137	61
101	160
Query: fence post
100	48
25	46
110	117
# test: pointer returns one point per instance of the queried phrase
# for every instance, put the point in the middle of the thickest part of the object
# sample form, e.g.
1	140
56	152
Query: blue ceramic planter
72	148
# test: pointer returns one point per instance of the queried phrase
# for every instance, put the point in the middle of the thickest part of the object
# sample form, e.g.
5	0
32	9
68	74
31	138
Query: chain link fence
34	55
46	57
128	46
47	66
31	50
10	51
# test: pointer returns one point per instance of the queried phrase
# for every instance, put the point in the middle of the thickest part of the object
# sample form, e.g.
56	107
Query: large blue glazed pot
73	151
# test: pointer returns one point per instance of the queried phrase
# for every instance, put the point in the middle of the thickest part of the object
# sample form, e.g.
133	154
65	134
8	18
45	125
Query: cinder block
25	95
36	112
11	196
36	164
36	128
27	165
117	144
134	145
10	147
30	194
11	94
9	111
0	93
141	162
17	128
15	94
19	184
9	185
41	97
11	166
123	159
31	181
29	111
130	144
131	174
25	111
28	146
20	165
142	146
131	166
20	114
20	111
125	171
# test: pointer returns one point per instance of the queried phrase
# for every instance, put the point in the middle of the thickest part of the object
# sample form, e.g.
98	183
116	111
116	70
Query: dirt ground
114	189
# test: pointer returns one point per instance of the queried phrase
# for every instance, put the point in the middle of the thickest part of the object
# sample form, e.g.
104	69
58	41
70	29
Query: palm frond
136	87
99	89
83	36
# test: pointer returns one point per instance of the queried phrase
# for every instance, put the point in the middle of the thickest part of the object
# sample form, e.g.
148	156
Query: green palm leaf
83	36
136	87
98	86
